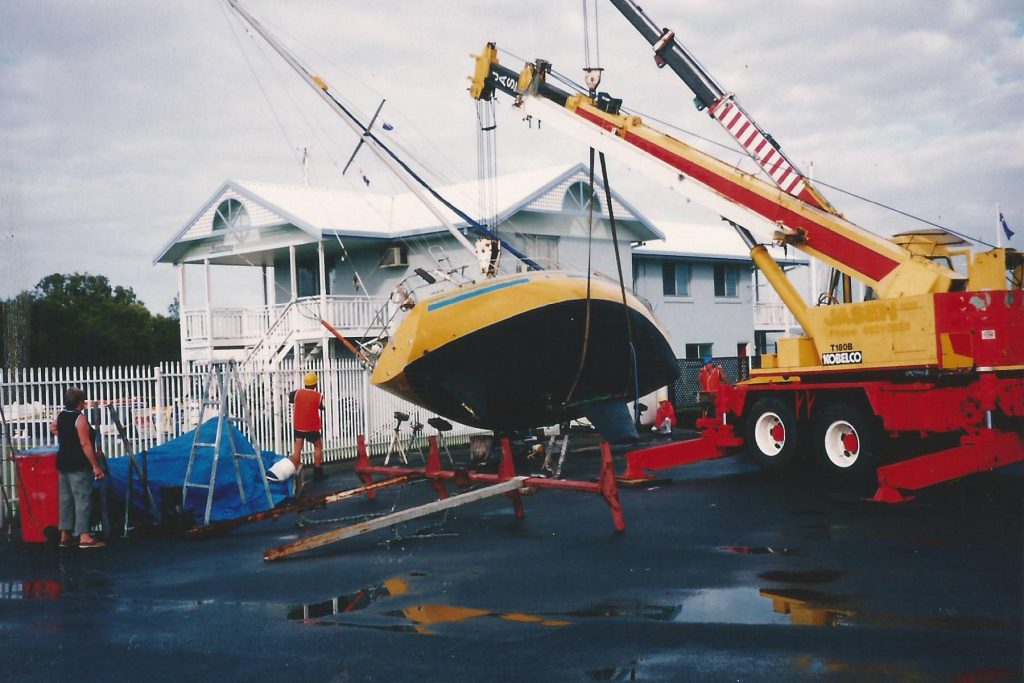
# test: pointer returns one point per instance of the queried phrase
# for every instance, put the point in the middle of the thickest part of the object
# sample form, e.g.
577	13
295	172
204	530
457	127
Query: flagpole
999	227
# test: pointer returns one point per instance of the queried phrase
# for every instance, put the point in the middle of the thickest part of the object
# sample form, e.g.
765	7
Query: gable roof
323	212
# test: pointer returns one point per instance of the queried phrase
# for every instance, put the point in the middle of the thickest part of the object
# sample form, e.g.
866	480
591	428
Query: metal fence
156	404
684	389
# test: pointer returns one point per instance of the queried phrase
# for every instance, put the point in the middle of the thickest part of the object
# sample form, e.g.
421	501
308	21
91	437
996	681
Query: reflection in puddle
30	590
425	615
807	607
421	617
715	605
726	606
762	550
50	589
349	603
629	609
867	671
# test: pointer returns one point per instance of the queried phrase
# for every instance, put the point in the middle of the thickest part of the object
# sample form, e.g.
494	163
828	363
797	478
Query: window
698	350
230	215
577	198
308	280
726	279
675	279
543	249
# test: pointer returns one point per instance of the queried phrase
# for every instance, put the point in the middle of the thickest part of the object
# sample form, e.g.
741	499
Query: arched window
230	215
578	196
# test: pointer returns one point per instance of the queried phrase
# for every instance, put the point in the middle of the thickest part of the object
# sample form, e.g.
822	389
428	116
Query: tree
80	319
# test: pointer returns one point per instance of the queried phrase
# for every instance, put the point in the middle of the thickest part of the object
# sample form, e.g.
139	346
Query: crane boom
747	200
723	107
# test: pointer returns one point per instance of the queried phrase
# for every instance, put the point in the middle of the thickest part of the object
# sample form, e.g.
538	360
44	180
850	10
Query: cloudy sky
120	118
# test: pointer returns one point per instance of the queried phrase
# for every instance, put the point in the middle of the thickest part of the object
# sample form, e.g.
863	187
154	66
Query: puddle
30	590
806	576
762	550
747	605
735	606
805	607
344	604
424	616
727	606
418	618
629	609
49	589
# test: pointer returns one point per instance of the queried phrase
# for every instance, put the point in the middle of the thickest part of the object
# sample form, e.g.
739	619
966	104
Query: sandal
95	543
66	544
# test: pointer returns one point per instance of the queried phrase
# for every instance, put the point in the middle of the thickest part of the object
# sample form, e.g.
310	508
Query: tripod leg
391	447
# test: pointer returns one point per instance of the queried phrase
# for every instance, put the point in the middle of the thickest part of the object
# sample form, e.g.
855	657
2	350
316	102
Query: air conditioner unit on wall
394	256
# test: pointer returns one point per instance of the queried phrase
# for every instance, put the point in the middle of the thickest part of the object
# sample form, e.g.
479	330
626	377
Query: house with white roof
340	255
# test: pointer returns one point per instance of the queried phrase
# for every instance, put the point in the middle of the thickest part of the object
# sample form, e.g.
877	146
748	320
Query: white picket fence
156	404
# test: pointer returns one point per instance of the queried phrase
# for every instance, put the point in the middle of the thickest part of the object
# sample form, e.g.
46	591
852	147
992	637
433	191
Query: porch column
266	288
183	331
323	295
294	274
209	310
295	295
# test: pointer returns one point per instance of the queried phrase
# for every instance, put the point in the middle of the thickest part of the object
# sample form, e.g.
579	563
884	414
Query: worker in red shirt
307	423
665	418
711	376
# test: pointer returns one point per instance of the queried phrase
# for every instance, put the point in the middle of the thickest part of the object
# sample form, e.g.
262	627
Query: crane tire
845	439
772	433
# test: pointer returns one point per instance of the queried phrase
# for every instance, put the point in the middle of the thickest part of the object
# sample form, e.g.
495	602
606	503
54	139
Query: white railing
772	315
156	404
276	335
247	326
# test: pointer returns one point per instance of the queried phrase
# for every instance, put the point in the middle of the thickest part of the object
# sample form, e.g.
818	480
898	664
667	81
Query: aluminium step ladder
226	377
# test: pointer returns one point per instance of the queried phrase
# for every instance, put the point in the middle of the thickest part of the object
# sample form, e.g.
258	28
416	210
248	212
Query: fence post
158	400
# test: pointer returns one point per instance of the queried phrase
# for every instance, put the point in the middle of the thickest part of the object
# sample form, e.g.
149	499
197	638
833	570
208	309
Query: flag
1006	228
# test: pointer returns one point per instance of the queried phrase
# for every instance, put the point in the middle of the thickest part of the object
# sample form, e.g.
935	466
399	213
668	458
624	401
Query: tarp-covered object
167	464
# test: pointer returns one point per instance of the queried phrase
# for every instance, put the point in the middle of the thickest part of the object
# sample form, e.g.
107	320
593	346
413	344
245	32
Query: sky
119	119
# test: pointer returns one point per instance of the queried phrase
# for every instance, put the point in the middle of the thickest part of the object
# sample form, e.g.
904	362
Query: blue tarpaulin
166	466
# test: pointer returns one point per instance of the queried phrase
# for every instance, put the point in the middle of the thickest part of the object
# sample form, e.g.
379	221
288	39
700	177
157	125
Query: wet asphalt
723	573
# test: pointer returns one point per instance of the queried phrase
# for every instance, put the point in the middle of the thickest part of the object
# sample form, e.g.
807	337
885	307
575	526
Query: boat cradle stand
505	482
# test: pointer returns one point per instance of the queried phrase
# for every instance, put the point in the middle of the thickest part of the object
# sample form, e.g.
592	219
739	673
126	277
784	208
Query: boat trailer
504	482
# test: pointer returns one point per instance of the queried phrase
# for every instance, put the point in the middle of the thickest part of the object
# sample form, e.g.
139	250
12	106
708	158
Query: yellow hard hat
309	380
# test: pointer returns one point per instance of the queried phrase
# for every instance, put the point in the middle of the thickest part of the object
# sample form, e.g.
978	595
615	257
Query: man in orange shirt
307	422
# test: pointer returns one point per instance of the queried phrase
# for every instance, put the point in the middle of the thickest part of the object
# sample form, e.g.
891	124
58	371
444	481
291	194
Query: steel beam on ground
336	535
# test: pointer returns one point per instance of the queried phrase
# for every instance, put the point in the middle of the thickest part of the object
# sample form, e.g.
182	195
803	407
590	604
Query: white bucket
282	470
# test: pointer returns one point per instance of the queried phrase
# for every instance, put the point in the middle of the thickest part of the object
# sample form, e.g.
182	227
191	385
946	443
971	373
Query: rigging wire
586	315
622	288
306	308
487	163
418	243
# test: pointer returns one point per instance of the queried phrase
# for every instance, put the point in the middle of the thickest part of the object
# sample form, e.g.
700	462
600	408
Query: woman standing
77	467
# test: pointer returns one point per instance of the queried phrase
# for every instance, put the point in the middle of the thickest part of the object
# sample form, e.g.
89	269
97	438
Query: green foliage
80	319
